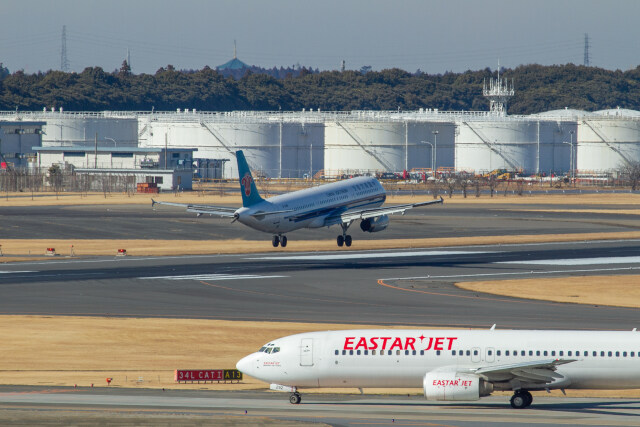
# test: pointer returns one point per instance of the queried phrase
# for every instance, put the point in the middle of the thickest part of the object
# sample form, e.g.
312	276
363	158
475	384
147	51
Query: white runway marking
13	272
579	261
331	257
213	277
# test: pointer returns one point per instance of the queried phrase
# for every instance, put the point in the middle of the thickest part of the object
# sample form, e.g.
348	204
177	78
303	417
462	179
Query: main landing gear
294	398
344	239
521	399
279	240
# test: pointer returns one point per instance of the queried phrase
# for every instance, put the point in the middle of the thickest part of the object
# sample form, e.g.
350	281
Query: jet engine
373	225
443	385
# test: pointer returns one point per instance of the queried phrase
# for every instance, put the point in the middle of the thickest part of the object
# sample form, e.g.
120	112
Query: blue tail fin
248	188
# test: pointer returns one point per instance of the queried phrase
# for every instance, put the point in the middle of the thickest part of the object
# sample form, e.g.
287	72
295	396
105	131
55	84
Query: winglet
493	328
153	203
248	188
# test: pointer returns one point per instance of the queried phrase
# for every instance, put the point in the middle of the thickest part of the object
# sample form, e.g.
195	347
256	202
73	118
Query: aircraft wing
541	371
223	211
349	216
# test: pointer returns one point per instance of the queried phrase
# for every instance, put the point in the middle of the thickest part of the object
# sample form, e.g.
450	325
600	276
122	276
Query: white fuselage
308	208
401	358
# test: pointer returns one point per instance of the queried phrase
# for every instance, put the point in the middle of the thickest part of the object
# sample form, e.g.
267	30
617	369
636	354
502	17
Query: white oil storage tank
275	145
112	129
608	140
382	144
529	145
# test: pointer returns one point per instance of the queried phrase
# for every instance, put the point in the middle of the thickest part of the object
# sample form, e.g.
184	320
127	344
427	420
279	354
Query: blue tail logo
248	188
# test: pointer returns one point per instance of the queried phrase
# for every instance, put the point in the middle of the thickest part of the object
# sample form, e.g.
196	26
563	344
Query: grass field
143	353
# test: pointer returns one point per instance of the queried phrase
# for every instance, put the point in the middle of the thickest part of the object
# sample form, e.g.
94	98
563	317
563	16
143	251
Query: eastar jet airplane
339	203
456	365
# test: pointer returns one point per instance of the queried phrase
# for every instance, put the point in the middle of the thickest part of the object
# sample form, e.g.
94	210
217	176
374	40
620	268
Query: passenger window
497	352
475	352
506	353
530	352
617	354
545	353
522	353
468	353
358	352
561	353
453	352
421	352
553	352
438	352
366	352
350	352
373	352
569	353
390	352
337	352
602	354
631	354
414	352
406	352
595	354
488	352
537	352
344	352
397	352
624	354
610	354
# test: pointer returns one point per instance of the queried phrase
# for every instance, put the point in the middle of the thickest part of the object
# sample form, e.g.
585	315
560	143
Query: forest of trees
538	88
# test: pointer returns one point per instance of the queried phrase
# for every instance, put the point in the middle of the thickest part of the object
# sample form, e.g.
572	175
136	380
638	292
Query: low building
17	142
171	169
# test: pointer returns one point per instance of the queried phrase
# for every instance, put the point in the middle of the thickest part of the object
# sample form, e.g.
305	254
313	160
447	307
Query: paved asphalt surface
389	287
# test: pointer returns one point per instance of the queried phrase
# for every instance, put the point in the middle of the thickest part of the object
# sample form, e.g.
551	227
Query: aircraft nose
244	364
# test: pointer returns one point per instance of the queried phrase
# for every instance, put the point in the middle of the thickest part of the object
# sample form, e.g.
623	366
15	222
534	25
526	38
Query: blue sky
434	36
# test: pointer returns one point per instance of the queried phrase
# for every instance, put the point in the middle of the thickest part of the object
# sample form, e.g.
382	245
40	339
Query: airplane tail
248	188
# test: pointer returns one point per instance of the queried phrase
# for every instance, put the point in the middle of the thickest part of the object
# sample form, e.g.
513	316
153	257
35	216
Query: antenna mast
586	50
498	93
64	62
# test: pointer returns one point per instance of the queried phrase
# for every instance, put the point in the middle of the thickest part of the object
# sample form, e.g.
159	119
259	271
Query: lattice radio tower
64	62
586	49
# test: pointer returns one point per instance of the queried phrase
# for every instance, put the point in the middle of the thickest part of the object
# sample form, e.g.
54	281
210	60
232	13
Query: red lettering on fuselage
397	343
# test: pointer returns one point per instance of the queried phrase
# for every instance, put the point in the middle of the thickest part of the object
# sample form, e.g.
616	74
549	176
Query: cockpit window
268	350
276	349
262	349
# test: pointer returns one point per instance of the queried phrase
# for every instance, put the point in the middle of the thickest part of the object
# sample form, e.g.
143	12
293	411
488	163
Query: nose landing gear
294	398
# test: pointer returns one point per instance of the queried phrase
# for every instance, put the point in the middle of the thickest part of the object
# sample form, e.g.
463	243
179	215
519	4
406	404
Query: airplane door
306	352
475	354
490	355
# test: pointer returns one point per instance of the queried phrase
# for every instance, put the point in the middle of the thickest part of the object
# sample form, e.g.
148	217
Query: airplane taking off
450	365
339	203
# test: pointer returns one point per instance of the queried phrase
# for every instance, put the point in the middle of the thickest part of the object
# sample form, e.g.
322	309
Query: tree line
538	88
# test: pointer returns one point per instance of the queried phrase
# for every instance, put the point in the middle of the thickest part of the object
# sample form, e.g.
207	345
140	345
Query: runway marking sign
579	261
368	255
212	277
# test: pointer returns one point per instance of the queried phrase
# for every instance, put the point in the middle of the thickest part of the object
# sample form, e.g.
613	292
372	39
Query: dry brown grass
620	291
65	350
48	199
16	248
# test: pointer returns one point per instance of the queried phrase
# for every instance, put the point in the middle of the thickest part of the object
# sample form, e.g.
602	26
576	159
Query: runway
388	287
153	407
